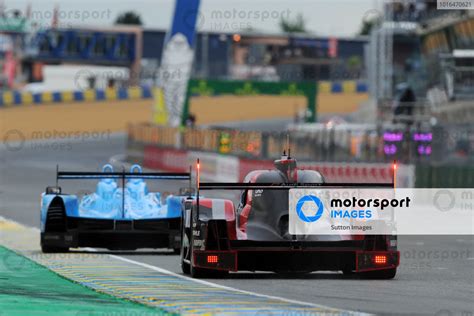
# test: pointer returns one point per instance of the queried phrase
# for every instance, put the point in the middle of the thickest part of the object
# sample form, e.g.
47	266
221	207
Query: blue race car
115	217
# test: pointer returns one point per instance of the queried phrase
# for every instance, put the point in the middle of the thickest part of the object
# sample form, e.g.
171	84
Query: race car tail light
380	259
212	259
373	260
220	260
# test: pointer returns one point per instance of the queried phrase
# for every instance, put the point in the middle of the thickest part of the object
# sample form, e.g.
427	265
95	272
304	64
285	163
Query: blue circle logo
316	201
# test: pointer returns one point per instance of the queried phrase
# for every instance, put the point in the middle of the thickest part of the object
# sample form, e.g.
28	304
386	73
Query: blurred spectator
405	101
412	14
110	83
397	8
191	120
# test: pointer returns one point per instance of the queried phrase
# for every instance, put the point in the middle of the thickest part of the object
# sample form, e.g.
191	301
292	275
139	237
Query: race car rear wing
284	186
120	175
85	175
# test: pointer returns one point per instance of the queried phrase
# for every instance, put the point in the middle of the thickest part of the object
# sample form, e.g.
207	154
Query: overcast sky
323	17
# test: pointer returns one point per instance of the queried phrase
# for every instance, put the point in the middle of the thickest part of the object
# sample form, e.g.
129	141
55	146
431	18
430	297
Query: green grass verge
27	288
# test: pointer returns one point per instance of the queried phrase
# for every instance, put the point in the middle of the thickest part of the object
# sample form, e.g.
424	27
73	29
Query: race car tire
48	249
379	274
185	267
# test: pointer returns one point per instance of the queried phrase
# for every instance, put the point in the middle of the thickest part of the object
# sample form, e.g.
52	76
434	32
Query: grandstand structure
220	55
430	50
431	53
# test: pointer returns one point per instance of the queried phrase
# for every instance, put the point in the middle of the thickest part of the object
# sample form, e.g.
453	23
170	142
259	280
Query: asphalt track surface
436	276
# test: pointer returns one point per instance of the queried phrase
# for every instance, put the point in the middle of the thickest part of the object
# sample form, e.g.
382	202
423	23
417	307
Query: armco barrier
213	166
216	167
343	172
135	152
230	168
316	143
174	160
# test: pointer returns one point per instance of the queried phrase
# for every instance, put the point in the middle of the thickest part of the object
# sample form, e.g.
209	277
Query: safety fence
312	142
338	154
217	167
231	168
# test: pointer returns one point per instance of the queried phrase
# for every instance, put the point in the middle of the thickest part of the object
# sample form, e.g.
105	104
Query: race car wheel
47	249
185	267
55	219
184	250
379	274
55	223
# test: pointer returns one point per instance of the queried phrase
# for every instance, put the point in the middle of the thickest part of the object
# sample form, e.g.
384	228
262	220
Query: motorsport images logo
326	211
311	203
349	208
380	211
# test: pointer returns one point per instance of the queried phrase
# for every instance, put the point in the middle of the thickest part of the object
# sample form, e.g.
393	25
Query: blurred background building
415	62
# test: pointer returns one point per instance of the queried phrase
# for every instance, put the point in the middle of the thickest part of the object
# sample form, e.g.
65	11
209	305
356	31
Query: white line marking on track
164	271
215	285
